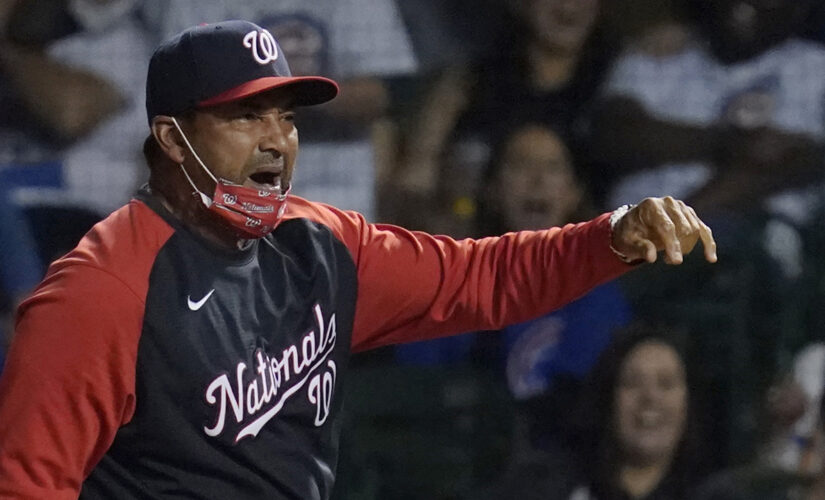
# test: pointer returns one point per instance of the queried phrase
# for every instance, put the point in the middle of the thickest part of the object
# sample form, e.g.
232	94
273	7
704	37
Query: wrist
614	220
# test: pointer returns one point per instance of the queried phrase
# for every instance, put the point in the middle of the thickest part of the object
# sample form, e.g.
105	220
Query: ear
168	138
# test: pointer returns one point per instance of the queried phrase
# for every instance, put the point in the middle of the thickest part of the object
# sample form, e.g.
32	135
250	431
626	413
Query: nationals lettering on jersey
243	353
259	394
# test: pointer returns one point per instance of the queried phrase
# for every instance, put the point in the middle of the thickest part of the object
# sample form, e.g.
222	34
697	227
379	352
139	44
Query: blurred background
476	118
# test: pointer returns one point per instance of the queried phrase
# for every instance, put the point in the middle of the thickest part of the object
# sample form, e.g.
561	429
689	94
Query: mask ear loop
188	145
206	200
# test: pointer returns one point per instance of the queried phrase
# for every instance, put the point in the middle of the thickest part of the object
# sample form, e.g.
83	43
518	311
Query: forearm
627	138
68	101
449	286
758	163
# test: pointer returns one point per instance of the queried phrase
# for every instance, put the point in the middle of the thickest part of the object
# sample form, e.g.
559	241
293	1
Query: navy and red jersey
151	363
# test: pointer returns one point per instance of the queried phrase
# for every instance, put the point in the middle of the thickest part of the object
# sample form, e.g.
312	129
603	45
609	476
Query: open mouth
269	180
649	419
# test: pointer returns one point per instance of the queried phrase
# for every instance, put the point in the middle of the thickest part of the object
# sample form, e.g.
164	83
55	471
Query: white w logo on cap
263	46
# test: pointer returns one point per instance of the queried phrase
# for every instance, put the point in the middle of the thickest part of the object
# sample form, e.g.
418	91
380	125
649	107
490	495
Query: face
650	403
538	186
741	29
561	24
252	141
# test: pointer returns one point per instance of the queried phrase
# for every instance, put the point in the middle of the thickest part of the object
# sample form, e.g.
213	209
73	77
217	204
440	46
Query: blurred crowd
476	118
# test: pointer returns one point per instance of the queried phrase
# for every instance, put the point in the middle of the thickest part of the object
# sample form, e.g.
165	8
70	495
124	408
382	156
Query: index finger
665	228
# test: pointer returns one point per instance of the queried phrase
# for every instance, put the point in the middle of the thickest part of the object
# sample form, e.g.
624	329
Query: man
194	343
340	159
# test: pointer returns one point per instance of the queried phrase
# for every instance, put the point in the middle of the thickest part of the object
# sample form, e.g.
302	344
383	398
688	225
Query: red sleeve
68	384
413	285
69	379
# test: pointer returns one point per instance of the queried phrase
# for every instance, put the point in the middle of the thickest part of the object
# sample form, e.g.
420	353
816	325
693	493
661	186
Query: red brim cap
223	62
308	90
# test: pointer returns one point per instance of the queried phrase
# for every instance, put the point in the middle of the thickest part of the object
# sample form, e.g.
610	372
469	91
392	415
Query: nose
275	134
541	178
545	176
649	392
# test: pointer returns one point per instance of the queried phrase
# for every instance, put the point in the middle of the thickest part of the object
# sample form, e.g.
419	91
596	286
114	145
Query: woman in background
641	435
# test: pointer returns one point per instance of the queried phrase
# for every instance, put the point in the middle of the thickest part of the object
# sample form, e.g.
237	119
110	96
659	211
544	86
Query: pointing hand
657	224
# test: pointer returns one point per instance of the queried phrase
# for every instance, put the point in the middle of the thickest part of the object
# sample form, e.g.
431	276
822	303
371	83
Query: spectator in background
644	441
46	105
547	67
730	117
638	434
532	183
790	460
48	102
746	112
72	64
359	43
793	439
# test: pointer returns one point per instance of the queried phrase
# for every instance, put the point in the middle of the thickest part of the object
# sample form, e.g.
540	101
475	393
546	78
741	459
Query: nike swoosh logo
197	305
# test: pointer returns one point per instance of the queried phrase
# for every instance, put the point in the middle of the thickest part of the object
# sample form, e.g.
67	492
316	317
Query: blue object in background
43	175
565	342
21	265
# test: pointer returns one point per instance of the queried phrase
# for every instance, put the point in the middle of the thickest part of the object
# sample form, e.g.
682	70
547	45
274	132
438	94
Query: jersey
152	364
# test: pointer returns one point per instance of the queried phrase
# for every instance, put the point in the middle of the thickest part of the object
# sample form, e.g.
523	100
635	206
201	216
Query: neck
177	198
639	480
548	68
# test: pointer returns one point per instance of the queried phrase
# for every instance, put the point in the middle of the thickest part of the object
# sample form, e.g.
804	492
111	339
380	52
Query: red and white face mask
253	212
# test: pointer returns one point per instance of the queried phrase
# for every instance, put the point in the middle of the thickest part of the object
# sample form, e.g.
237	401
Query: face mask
252	212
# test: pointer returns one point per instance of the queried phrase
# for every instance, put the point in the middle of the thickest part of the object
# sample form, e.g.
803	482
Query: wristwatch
615	217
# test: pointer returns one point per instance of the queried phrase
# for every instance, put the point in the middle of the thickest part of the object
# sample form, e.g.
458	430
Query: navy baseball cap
216	63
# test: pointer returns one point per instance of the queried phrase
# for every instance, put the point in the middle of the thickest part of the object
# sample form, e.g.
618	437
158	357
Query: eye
288	116
629	382
250	116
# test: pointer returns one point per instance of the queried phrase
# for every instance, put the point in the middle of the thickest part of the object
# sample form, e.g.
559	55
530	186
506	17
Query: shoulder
346	225
752	481
124	246
92	300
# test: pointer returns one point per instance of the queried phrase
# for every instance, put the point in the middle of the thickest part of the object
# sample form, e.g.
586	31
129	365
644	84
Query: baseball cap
222	62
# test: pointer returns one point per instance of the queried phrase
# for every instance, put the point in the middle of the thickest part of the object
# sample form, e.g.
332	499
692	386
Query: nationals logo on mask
253	212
